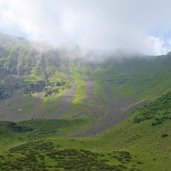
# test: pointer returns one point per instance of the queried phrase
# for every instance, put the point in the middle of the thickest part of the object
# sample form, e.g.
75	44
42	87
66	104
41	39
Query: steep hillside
32	80
138	77
59	83
125	84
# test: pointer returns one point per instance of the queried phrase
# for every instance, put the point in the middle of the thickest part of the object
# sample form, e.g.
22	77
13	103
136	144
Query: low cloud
136	25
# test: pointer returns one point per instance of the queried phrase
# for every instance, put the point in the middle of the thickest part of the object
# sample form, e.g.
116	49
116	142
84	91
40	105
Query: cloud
99	24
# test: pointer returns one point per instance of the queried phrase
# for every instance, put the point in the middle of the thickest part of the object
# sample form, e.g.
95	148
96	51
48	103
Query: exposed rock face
27	87
5	92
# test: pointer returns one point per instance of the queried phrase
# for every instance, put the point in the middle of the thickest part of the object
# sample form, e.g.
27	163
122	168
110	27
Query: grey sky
131	25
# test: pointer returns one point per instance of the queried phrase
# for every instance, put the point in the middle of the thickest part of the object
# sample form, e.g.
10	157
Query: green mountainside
60	111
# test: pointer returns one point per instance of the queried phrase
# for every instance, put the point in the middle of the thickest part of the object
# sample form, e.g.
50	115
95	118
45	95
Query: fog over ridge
138	26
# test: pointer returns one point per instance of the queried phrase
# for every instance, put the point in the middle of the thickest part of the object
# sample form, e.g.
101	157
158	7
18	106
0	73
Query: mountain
61	109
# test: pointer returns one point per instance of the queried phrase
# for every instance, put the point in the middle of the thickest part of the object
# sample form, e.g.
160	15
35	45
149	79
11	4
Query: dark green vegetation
157	111
39	155
61	112
39	128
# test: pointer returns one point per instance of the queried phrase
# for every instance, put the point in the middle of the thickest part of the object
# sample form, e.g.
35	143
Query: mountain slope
59	83
59	111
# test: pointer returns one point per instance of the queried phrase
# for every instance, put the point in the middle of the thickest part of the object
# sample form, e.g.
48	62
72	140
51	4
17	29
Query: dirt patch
112	111
19	107
62	104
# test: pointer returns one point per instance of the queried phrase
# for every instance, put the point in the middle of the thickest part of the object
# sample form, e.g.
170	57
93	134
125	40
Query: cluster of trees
36	154
31	87
158	111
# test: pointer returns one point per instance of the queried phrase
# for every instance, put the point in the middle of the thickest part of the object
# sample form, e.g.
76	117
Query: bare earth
63	104
110	111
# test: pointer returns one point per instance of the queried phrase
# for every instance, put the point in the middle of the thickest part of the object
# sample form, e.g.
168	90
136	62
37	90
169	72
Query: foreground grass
135	144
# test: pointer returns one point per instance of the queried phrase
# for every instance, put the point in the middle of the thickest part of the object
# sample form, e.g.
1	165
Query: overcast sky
133	25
